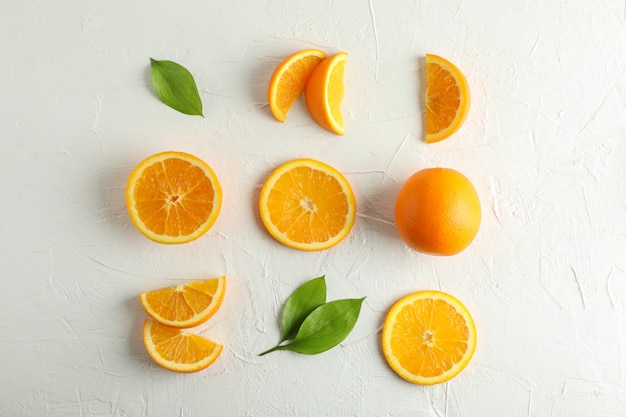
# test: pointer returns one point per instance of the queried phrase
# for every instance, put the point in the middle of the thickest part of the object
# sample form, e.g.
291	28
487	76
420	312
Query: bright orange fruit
178	350
438	211
173	197
428	337
447	98
307	205
289	80
325	91
185	305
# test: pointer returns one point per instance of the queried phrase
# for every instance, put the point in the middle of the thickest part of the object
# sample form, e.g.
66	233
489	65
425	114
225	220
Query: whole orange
438	211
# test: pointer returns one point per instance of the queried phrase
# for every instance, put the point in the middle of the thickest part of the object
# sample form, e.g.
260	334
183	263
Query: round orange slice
178	350
289	80
173	197
325	91
308	205
185	305
447	98
428	337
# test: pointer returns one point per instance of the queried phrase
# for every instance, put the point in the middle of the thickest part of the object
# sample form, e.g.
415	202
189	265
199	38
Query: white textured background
544	143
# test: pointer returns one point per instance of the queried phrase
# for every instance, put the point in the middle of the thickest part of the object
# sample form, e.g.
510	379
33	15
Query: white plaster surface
544	144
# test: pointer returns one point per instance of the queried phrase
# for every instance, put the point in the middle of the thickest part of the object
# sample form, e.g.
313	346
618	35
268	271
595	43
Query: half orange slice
289	80
447	98
325	92
178	350
185	305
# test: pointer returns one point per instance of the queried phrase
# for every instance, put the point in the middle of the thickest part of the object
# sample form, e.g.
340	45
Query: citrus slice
428	337
185	305
324	93
307	205
178	350
289	80
447	98
173	197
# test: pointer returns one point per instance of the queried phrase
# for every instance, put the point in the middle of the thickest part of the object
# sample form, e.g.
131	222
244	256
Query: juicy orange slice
307	205
186	305
289	80
178	350
325	91
428	337
173	197
447	98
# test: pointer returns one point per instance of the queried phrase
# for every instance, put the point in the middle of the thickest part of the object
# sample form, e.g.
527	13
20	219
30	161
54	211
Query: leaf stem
275	348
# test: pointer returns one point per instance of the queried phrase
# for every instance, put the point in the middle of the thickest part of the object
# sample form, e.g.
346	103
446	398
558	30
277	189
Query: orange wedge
428	337
173	197
447	98
325	91
185	305
289	80
178	350
307	205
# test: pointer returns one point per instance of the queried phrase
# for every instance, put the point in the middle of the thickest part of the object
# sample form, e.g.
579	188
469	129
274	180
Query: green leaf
300	304
326	327
175	86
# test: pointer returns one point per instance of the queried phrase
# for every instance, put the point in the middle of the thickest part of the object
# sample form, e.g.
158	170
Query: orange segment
186	305
289	80
177	350
447	98
173	197
428	337
307	205
325	91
